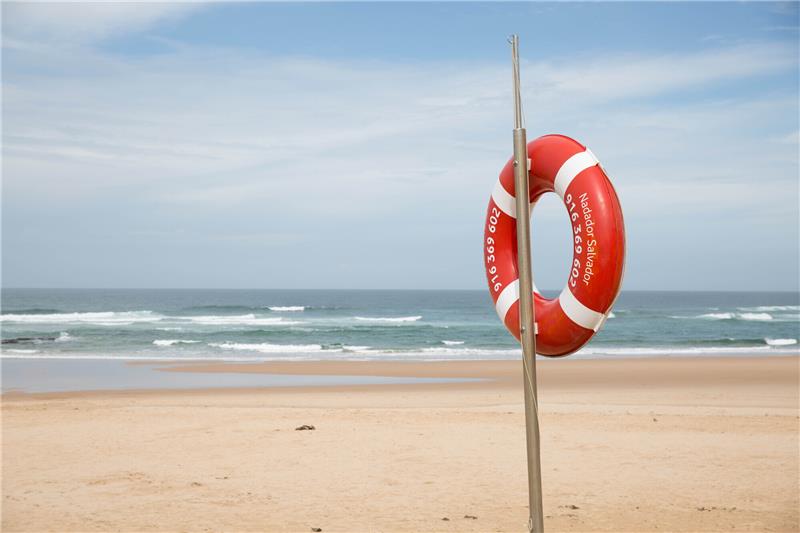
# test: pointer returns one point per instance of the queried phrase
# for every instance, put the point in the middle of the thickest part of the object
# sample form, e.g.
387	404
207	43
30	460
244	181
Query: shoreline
612	373
494	369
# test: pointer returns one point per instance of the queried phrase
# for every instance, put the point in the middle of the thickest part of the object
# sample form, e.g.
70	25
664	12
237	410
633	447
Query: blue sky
335	145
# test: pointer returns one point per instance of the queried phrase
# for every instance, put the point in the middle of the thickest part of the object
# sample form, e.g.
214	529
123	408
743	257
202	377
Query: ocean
258	325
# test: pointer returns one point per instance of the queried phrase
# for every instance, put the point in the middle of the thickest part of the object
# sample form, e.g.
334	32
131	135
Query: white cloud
635	75
322	146
243	124
82	22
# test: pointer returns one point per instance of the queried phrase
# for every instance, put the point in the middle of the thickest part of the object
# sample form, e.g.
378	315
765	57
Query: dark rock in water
570	506
305	427
446	519
316	529
21	340
470	516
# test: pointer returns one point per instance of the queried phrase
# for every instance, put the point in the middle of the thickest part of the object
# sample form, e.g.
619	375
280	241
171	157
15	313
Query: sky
355	145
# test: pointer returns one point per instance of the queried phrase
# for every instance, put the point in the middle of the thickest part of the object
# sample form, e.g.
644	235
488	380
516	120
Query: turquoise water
245	325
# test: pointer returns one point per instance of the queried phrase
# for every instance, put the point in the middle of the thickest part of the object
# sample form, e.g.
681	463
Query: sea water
258	325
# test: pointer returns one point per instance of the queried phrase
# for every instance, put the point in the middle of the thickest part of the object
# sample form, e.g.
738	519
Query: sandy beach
681	444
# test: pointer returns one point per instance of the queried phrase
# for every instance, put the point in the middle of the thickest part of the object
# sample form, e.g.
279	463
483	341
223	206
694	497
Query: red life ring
564	166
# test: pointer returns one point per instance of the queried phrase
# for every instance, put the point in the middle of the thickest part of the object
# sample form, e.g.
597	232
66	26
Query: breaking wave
731	316
103	318
388	319
265	347
781	342
126	318
239	320
762	308
172	342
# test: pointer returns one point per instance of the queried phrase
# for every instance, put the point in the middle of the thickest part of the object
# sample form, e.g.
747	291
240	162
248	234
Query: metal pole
526	311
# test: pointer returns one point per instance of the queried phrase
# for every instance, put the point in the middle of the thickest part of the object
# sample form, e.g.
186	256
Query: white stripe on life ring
579	313
509	297
504	201
571	168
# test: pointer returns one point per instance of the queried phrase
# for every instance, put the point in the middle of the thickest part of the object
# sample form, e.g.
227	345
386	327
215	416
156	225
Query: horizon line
792	291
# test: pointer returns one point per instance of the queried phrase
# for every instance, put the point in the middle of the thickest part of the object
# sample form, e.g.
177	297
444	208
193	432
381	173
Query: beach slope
694	444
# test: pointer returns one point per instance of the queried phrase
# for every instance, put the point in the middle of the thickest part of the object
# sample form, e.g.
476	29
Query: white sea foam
445	353
755	316
750	315
103	318
171	342
287	308
276	352
668	351
357	349
781	342
714	316
240	320
388	319
436	354
64	337
126	318
611	315
465	351
265	347
452	343
732	316
762	308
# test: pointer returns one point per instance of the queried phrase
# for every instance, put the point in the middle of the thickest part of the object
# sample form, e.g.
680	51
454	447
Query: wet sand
694	444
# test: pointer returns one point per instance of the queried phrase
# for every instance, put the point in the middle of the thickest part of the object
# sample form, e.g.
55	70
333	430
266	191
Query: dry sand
628	445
